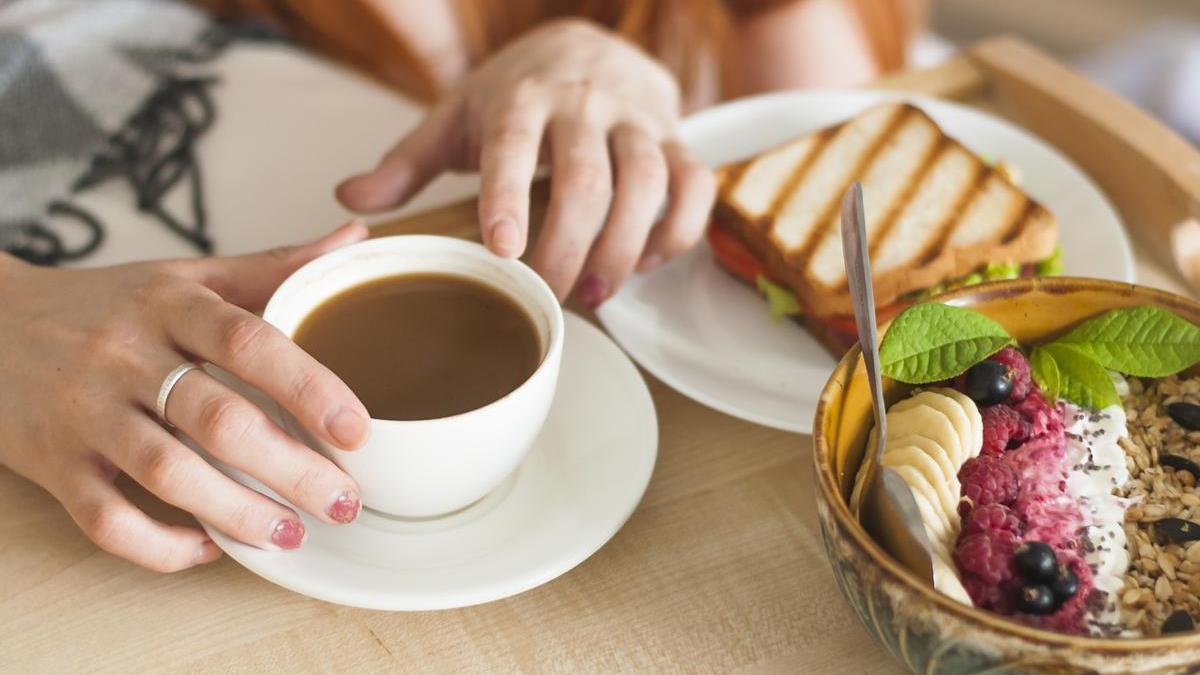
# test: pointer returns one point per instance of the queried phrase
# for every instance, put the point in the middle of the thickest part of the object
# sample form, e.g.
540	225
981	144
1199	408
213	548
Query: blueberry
988	383
1064	585
1036	599
1036	562
1186	415
1178	621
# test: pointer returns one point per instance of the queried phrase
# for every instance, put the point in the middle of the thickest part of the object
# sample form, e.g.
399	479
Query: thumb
409	166
249	280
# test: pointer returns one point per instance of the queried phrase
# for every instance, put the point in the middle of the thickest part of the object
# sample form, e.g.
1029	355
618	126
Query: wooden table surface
720	568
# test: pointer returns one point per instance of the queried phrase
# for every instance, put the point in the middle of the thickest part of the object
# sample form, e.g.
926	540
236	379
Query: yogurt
1097	468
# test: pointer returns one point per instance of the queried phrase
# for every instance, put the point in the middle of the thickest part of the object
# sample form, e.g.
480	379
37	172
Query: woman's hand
82	356
604	115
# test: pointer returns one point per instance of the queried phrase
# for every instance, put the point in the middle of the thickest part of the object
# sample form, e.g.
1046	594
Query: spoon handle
857	255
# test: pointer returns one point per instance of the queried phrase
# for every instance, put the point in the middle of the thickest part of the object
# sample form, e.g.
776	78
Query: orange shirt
424	57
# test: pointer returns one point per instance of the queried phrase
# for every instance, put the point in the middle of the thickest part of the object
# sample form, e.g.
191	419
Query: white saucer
710	337
579	484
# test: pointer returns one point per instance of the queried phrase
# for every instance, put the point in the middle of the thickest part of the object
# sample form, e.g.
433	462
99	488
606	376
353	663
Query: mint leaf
1045	372
781	302
931	342
1080	378
1143	341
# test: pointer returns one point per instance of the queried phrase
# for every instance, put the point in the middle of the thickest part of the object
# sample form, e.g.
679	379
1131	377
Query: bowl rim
828	486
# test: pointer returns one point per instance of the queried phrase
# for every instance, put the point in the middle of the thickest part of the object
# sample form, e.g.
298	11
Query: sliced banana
911	457
929	437
975	446
937	531
939	552
939	527
930	423
920	486
945	579
936	452
944	404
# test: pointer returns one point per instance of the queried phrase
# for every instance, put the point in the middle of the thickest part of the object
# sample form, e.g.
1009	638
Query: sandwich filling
736	257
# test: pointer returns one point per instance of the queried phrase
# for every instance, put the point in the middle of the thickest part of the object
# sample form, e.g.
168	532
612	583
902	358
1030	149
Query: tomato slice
733	255
844	323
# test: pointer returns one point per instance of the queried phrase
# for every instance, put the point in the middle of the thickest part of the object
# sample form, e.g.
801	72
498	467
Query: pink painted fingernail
288	534
650	262
345	507
505	239
592	290
348	427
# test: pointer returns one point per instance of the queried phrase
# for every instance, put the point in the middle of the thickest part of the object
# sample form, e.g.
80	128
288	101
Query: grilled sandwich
938	215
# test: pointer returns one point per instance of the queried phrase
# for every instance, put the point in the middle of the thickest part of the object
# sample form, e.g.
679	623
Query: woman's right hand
82	356
625	193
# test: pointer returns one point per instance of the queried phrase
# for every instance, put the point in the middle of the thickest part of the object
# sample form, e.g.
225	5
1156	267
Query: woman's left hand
604	115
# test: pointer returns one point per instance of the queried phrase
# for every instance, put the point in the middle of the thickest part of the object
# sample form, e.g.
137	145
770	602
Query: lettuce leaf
1052	266
781	302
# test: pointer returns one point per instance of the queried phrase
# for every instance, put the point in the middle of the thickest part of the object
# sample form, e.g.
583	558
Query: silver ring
168	384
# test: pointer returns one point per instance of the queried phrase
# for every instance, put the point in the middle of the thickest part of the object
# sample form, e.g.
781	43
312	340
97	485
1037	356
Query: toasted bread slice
935	210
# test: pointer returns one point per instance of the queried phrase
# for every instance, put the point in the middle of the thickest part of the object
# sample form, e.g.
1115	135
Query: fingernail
505	237
347	427
348	182
592	290
345	507
342	232
208	552
353	225
650	262
288	534
355	231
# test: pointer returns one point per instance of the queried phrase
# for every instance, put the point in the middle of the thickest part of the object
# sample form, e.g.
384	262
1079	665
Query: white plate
579	484
709	336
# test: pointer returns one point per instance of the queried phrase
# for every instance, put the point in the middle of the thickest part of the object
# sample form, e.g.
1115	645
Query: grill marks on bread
805	212
930	211
935	210
889	180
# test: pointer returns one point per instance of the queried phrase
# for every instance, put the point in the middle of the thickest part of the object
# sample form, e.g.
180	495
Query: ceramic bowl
924	630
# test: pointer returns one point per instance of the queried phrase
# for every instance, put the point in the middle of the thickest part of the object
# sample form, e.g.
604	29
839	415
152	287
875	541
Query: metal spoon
886	507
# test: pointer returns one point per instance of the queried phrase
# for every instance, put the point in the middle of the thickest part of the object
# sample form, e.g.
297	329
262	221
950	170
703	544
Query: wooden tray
720	568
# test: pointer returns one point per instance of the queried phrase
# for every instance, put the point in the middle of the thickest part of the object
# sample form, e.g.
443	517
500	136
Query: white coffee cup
425	468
